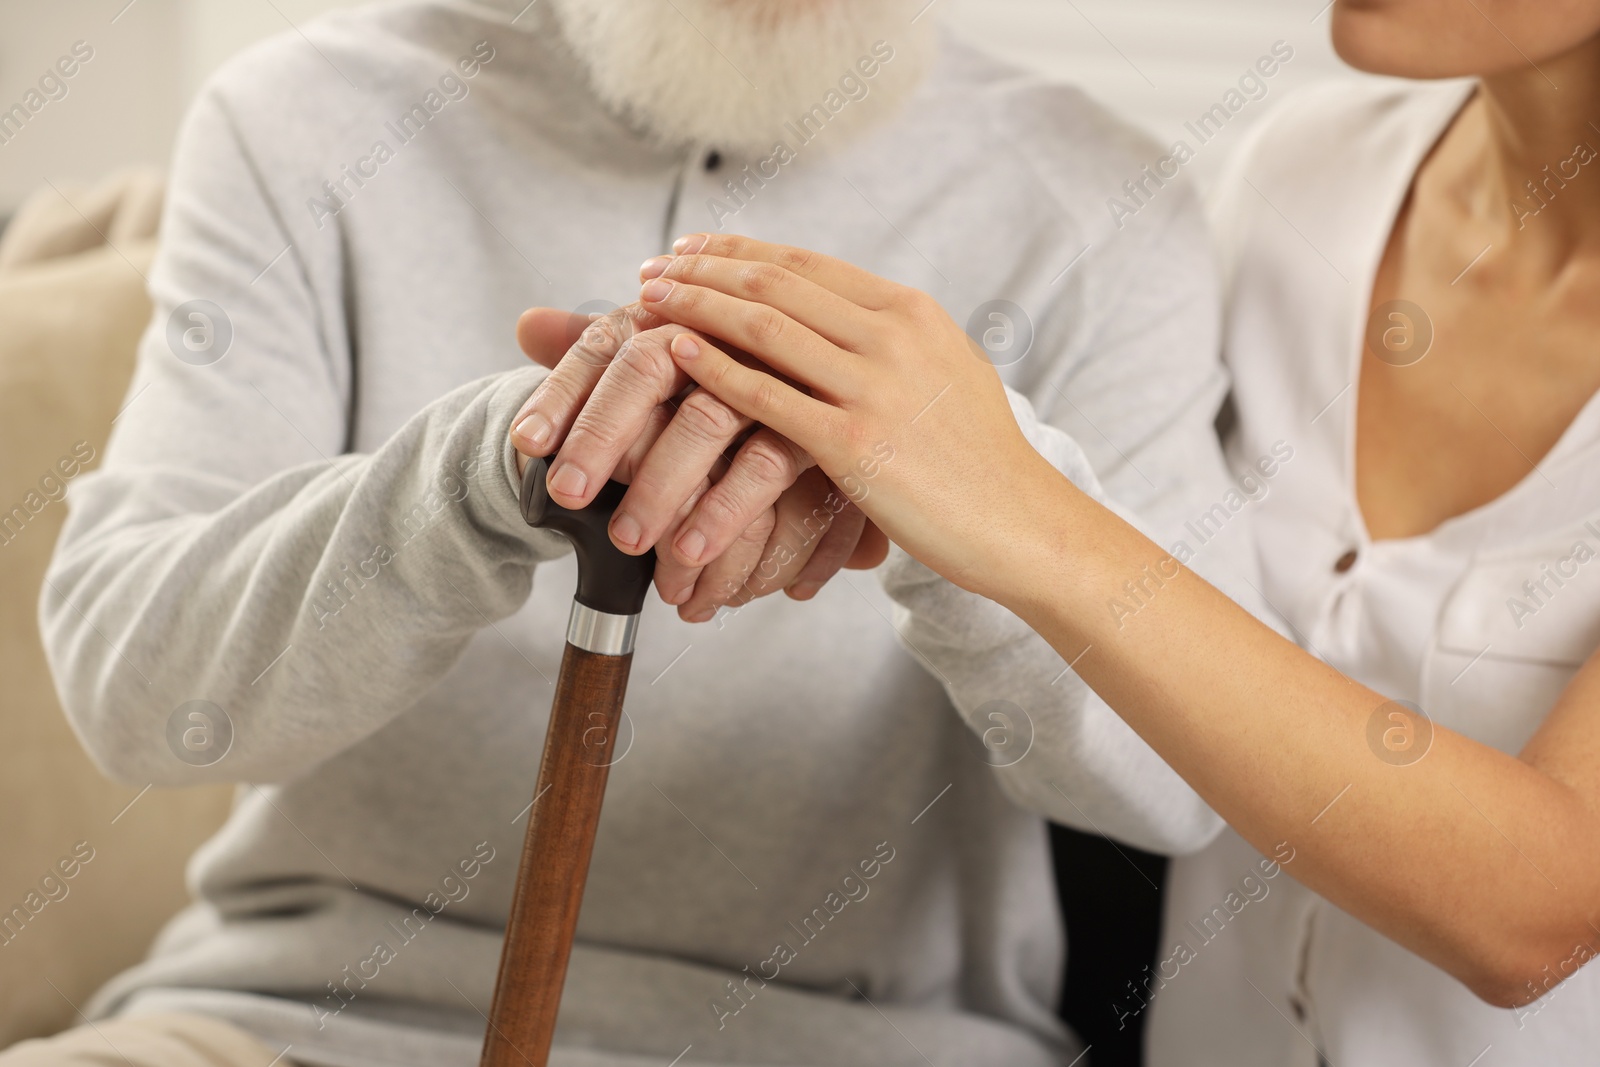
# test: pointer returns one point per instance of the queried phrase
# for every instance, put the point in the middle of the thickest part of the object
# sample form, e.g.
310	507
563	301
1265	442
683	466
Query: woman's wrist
1064	561
1031	533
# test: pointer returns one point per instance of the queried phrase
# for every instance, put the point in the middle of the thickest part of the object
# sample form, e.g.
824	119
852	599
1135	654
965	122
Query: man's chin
746	75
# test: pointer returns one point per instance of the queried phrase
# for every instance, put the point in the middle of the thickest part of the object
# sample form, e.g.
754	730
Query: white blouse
1481	622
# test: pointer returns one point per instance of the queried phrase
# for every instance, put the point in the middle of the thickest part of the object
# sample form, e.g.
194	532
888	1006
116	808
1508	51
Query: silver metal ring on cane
601	633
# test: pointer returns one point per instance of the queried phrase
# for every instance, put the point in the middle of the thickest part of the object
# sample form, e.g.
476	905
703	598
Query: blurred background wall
1157	61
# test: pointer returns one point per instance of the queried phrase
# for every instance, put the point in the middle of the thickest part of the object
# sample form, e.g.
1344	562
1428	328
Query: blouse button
1346	561
713	160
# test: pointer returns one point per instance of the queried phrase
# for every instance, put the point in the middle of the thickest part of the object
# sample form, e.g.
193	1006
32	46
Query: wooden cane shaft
555	858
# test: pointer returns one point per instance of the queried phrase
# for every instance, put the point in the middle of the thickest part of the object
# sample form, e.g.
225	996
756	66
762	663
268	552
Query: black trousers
1110	898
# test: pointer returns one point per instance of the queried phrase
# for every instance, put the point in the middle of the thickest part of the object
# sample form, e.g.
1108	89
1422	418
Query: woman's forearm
1480	862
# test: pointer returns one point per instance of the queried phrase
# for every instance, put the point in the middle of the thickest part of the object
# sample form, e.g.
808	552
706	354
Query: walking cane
572	773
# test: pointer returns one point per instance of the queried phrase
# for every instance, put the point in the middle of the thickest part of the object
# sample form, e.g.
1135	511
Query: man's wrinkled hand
726	530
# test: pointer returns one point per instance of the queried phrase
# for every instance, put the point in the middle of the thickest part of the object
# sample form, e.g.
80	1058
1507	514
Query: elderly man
302	567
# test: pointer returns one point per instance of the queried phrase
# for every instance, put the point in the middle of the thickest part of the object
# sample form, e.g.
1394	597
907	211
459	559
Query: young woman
1414	308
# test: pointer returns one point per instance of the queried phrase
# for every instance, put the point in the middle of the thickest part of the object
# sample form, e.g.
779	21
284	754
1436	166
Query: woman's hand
900	409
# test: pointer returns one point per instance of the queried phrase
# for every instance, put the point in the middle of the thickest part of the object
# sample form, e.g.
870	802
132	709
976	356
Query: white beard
731	73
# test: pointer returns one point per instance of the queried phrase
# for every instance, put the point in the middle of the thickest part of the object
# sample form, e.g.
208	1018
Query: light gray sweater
807	856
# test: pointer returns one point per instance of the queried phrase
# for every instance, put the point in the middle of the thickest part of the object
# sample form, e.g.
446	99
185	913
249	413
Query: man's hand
617	407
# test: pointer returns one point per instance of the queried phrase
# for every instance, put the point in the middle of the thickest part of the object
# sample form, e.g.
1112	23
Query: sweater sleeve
1130	421
232	550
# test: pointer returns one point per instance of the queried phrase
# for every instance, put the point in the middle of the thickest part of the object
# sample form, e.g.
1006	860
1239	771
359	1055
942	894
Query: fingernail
534	429
691	544
684	346
655	290
625	530
804	590
704	616
654	268
568	481
688	246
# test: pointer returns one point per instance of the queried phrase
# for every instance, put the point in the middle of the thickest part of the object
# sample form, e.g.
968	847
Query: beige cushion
73	309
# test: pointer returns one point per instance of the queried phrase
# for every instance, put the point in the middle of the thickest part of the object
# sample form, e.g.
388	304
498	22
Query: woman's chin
1370	40
1429	39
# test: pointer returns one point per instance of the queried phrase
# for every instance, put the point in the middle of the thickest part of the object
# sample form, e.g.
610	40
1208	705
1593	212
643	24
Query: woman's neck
1531	156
